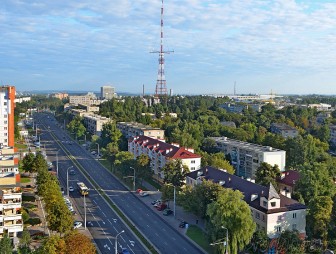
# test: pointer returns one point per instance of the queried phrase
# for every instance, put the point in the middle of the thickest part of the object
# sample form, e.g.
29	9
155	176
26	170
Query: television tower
161	86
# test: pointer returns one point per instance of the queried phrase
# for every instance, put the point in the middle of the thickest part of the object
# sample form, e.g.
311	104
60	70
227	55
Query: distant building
322	116
160	153
240	107
88	99
272	212
7	102
284	130
247	157
107	92
10	206
321	107
60	96
132	129
228	124
333	134
22	99
287	182
94	123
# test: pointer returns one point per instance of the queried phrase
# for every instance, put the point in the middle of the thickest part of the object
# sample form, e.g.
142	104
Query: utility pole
57	162
84	212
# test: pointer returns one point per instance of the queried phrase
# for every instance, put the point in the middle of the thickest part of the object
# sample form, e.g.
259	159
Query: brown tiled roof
289	177
248	189
165	149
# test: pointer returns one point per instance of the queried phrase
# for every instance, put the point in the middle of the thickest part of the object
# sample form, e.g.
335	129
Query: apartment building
247	157
133	129
107	92
11	222
284	130
240	107
321	107
333	134
7	105
9	161
94	123
60	96
287	182
272	212
160	153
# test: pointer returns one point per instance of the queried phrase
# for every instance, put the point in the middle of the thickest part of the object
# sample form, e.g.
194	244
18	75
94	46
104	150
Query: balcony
10	206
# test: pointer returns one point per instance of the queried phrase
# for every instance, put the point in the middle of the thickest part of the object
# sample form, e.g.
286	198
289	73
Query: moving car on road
77	224
144	194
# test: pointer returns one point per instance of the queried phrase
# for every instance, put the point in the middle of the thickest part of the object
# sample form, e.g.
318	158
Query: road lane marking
104	213
109	221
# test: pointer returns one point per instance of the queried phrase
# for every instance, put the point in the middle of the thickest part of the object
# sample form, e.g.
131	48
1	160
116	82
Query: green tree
25	238
59	218
6	245
110	134
54	244
77	243
231	212
143	169
197	199
267	173
218	160
39	163
110	152
175	172
319	215
77	127
290	242
27	162
259	242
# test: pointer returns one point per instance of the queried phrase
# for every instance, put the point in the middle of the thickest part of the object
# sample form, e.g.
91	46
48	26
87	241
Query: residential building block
133	129
284	130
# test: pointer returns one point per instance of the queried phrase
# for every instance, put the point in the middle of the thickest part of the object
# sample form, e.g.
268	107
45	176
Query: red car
139	191
161	207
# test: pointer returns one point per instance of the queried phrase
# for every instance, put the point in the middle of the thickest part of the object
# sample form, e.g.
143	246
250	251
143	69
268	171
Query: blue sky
286	46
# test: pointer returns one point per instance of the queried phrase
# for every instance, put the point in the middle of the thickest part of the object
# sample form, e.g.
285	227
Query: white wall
273	158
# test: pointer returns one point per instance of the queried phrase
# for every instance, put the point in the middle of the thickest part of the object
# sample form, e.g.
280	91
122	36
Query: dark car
124	251
161	207
183	224
72	172
167	212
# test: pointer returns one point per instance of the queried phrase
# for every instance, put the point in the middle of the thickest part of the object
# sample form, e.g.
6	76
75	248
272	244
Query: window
273	204
193	162
257	215
5	103
265	203
294	215
278	229
5	128
5	122
192	168
263	217
294	226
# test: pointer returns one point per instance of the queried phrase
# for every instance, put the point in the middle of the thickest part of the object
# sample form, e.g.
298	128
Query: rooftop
139	125
248	188
283	126
289	177
246	145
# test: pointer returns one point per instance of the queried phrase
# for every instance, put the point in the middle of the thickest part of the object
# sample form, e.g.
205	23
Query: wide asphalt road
102	221
163	236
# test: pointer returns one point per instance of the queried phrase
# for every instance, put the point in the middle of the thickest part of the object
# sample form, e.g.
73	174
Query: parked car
71	189
155	201
124	251
158	203
72	172
77	224
144	194
183	224
167	212
139	191
161	207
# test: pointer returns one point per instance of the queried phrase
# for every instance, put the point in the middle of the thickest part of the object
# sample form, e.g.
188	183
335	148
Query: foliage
27	162
110	134
197	199
231	212
77	243
76	126
259	242
54	245
6	245
290	242
143	169
175	172
267	174
25	238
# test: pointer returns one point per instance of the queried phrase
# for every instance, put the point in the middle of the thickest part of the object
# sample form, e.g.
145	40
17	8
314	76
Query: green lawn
20	146
25	179
197	235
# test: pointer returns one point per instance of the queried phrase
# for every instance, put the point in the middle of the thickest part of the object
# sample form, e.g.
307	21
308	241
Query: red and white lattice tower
161	86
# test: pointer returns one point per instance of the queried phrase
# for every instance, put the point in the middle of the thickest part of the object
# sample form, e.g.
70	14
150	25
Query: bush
28	198
25	216
34	221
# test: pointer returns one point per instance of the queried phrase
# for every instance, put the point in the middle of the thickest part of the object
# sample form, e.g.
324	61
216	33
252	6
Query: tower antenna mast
161	84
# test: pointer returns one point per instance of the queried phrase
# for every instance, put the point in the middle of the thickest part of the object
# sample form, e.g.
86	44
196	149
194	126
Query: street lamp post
84	212
98	148
68	179
57	162
174	198
116	241
225	243
133	178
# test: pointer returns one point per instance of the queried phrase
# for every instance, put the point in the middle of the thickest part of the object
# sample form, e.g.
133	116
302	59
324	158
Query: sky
279	46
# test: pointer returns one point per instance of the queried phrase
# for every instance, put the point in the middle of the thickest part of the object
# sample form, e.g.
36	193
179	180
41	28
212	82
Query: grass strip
198	236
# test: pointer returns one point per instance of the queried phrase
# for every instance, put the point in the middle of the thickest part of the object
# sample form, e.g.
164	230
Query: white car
77	224
71	189
144	194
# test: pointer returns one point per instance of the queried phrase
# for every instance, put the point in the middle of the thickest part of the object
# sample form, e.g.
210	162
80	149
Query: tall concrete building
107	92
7	105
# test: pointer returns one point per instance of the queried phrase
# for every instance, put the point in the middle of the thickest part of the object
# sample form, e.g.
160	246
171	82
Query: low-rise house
321	106
322	117
160	153
272	212
133	129
284	130
247	157
287	182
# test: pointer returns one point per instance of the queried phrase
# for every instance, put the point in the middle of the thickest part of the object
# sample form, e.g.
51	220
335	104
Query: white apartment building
107	92
160	153
10	206
133	129
247	157
94	123
7	105
272	212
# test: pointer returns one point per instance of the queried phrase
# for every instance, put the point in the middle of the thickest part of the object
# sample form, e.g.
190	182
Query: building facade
284	130
60	96
333	134
287	181
7	102
272	212
11	222
240	107
247	157
160	153
133	129
94	123
107	92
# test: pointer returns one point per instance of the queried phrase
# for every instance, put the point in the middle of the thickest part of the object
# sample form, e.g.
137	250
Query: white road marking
109	221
